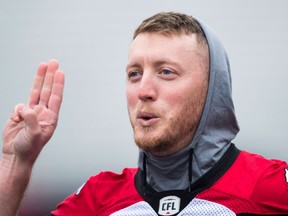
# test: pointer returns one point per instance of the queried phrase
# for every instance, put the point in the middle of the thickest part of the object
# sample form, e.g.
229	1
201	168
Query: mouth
146	118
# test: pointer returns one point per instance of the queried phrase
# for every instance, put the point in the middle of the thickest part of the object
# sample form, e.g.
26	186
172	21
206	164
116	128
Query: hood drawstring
191	151
144	172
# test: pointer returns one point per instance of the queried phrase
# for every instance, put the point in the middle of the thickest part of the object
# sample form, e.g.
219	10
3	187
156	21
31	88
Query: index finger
37	85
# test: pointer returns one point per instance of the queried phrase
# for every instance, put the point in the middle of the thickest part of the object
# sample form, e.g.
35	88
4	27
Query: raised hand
31	126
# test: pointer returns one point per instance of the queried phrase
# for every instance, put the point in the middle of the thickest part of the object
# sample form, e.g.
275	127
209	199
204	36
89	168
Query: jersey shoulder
253	184
270	191
102	194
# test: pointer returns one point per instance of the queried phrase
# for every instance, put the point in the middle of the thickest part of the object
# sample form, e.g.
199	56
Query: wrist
14	178
14	172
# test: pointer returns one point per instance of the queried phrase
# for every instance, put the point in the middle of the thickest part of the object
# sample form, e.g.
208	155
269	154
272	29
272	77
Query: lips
146	118
146	115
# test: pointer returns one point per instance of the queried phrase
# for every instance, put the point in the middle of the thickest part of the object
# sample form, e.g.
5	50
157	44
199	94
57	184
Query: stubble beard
177	134
165	140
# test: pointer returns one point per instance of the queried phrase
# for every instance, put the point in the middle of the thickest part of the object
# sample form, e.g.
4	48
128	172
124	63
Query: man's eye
167	72
133	74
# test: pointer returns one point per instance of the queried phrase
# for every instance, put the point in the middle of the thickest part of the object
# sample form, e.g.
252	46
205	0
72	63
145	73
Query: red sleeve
271	190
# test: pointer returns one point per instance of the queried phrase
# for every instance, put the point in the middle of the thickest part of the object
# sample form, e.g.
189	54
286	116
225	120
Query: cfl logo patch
169	205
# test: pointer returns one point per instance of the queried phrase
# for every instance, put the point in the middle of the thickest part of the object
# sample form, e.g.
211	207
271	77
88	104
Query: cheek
132	98
175	98
179	100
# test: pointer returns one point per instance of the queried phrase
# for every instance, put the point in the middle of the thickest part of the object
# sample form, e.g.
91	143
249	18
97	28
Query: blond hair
169	23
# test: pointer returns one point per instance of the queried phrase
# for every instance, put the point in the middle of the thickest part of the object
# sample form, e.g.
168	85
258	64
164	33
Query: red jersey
241	183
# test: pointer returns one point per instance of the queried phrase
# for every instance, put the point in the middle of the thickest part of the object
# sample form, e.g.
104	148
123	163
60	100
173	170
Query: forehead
155	46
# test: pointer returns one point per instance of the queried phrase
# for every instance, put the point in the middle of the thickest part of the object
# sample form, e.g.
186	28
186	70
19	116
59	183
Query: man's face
166	90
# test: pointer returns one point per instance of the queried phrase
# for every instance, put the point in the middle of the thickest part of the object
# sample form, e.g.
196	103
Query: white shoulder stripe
79	189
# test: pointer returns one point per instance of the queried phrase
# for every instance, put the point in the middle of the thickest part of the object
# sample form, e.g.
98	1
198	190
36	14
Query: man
181	110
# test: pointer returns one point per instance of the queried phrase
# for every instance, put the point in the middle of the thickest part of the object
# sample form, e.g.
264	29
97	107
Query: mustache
147	111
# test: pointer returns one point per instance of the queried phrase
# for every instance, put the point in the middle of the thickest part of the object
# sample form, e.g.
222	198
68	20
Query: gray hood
217	128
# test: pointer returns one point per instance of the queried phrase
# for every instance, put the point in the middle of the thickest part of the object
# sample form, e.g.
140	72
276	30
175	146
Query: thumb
27	143
30	119
16	116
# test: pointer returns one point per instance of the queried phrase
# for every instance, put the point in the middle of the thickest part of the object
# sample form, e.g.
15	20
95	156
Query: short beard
173	135
179	132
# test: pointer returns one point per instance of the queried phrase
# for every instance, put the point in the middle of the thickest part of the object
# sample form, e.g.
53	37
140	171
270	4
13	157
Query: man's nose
148	88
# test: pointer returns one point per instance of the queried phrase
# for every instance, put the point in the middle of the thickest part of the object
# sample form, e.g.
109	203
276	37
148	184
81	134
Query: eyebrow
132	65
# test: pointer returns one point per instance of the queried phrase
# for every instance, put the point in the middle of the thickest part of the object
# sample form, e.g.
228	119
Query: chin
154	145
